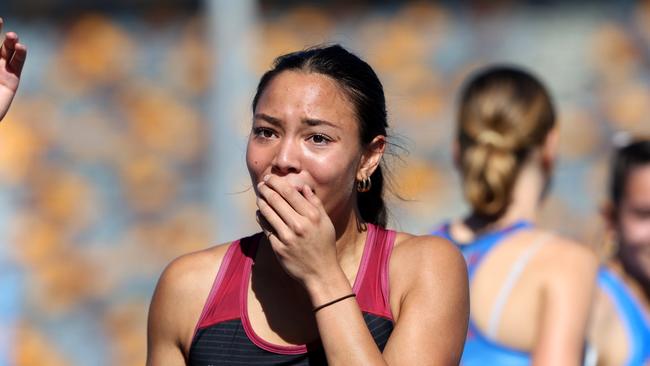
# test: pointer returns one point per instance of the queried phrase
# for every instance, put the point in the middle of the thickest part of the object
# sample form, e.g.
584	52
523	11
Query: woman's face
633	224
305	130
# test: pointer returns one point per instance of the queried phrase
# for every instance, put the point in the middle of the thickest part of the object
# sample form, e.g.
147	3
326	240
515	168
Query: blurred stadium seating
103	156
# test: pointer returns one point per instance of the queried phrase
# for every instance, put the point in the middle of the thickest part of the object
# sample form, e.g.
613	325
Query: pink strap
373	285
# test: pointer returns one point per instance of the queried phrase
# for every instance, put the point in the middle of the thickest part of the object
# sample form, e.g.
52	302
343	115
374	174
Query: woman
531	289
325	283
620	325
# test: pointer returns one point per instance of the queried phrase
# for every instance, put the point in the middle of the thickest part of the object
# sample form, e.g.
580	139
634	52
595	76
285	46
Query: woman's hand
299	230
12	59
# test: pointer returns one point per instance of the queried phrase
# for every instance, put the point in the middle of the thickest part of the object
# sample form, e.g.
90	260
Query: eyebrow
317	122
272	120
308	121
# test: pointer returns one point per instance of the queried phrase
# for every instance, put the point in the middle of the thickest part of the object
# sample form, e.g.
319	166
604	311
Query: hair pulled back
504	113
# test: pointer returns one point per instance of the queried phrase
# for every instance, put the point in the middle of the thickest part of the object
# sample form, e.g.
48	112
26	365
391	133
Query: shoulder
188	271
181	292
427	251
565	265
194	263
429	290
567	256
427	262
566	271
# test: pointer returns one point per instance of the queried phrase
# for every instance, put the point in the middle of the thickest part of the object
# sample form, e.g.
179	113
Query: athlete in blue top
530	289
620	329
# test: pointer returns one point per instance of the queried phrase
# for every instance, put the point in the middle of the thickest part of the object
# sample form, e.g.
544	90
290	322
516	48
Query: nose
287	158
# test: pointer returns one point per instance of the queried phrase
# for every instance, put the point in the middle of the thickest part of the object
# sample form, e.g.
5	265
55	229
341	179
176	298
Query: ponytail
504	114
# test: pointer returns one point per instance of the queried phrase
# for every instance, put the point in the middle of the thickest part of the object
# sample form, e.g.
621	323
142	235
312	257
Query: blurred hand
12	59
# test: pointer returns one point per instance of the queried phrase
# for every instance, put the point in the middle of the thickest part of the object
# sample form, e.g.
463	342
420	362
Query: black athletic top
224	335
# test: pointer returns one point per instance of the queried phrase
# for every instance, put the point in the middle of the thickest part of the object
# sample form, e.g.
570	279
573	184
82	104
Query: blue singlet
630	312
479	349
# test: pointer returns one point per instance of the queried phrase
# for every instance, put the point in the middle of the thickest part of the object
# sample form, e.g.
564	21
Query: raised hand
12	59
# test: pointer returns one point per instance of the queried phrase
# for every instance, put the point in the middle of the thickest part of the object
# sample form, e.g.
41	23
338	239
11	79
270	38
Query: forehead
306	95
638	184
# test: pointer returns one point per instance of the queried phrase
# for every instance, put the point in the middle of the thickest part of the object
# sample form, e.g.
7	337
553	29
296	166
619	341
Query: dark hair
358	80
504	113
624	161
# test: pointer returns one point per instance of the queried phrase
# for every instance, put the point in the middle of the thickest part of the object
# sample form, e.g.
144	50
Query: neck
526	200
349	232
637	285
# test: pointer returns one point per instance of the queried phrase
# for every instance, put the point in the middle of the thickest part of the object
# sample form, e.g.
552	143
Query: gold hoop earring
364	185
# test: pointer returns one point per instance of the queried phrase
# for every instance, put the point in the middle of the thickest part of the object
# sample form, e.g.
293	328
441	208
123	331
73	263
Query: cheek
635	243
333	180
331	170
336	198
256	163
636	232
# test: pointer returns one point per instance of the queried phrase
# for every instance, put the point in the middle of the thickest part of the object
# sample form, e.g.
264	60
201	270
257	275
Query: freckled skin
291	148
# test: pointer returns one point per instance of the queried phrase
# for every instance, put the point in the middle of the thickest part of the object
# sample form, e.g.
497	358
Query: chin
638	270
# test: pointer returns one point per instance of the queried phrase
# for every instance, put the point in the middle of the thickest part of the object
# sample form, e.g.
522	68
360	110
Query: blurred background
125	145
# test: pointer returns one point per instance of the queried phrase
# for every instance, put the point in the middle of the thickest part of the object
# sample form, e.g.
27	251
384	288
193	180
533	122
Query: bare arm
163	328
177	304
434	311
433	304
343	332
568	296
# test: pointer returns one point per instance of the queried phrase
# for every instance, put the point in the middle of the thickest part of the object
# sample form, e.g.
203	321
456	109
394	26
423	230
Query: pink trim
248	328
365	259
385	281
216	285
297	349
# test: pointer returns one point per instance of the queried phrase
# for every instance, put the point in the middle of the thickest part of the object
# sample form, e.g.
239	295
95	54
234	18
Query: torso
491	260
620	326
523	302
237	321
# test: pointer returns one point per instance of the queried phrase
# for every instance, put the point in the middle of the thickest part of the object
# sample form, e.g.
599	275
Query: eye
263	132
320	139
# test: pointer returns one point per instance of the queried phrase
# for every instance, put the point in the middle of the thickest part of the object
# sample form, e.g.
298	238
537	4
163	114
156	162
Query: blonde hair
504	113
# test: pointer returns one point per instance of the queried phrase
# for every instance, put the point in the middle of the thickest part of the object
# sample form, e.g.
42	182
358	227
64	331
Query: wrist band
333	301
